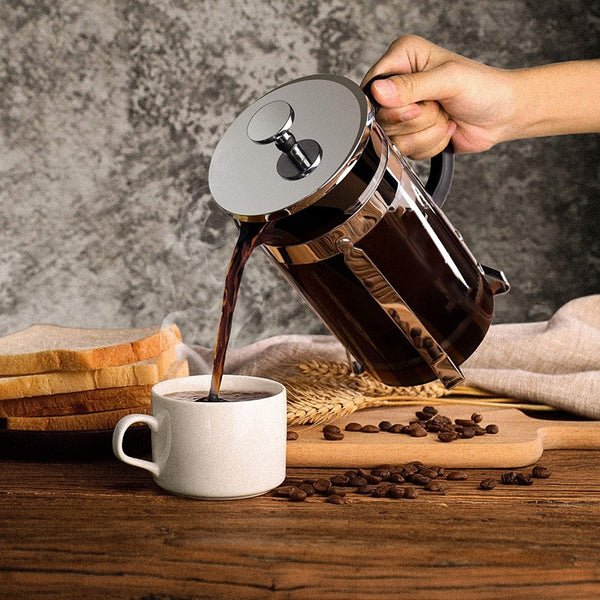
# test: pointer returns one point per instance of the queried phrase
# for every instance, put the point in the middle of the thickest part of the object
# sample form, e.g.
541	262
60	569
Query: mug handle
441	169
117	441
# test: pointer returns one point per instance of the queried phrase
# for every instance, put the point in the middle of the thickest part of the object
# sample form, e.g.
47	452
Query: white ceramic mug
213	450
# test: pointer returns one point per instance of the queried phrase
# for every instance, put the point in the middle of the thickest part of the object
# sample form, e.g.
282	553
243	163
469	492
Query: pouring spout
496	280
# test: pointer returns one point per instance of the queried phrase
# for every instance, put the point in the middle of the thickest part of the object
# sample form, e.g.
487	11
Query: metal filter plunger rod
271	124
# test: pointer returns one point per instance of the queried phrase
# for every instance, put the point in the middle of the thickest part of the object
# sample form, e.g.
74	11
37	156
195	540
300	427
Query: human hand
433	96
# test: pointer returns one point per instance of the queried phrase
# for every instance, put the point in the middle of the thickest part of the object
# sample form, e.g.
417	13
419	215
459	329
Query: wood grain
104	530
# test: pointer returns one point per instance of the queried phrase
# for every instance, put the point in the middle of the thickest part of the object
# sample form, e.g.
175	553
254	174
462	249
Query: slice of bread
87	422
87	401
146	372
44	348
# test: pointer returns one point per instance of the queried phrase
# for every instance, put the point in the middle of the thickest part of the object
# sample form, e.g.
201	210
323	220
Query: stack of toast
65	379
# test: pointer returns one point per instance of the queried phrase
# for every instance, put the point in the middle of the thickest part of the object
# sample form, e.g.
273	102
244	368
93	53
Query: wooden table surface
102	529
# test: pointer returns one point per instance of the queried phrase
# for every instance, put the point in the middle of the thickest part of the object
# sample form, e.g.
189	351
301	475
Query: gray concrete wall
110	111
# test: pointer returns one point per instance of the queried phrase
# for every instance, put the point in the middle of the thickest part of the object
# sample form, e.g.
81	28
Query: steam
204	241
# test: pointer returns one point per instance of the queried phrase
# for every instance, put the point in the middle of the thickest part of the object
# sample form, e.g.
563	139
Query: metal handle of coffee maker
441	169
401	314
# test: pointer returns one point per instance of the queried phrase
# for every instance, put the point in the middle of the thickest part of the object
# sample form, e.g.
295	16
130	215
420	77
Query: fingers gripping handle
442	165
117	441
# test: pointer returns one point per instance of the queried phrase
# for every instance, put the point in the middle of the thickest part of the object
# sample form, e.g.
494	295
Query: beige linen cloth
555	362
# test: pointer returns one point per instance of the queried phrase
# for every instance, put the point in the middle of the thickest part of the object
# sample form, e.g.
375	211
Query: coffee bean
508	478
396	478
411	492
334	490
364	489
372	479
522	479
292	435
395	492
331	429
430	410
492	428
385	425
457	476
336	499
353	427
419	479
381	472
356	481
488	484
464	422
433	427
423	416
418	431
478	430
308	488
333	436
415	332
321	486
447	436
442	420
434	486
396	428
370	429
540	472
409	469
476	418
340	480
466	433
298	495
428	472
284	491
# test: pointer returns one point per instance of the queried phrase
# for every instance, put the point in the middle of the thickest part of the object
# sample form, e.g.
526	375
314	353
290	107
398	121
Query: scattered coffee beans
520	478
427	420
393	482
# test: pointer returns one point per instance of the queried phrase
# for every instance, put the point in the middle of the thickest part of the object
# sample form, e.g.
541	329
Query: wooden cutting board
520	441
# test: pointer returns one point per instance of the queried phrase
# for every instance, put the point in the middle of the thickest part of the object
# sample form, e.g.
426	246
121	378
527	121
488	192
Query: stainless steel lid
290	147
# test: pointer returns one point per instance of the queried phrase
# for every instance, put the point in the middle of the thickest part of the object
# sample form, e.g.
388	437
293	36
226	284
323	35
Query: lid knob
271	124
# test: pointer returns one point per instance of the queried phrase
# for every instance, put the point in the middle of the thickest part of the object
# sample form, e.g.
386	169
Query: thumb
400	90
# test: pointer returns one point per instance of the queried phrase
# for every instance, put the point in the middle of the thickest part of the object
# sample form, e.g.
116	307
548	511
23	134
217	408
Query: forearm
555	99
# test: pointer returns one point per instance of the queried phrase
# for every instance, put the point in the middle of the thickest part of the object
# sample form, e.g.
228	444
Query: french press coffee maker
355	231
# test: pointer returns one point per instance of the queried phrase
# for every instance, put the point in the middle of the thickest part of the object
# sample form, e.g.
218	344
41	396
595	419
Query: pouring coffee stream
249	236
343	216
